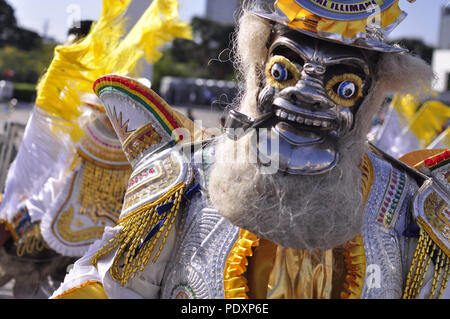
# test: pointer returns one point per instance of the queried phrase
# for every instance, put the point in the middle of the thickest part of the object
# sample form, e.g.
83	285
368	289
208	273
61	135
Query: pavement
210	116
20	114
6	290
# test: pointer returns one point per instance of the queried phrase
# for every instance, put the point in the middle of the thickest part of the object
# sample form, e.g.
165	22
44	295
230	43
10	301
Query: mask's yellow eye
345	89
281	73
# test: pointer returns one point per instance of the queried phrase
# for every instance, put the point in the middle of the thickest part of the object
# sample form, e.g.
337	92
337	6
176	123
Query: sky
54	15
57	14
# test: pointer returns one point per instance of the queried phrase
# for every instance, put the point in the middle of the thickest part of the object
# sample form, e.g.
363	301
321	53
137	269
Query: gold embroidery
434	208
170	170
64	228
104	153
140	140
31	241
102	191
366	168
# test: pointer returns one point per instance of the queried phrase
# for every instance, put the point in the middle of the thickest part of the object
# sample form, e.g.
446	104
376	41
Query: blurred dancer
69	178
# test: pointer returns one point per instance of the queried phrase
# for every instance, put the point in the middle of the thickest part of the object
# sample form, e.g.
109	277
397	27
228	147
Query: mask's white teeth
302	120
317	123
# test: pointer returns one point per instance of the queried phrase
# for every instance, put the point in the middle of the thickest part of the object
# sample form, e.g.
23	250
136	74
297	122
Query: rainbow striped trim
438	160
143	95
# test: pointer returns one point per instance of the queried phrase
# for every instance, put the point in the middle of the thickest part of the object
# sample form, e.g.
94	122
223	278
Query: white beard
295	211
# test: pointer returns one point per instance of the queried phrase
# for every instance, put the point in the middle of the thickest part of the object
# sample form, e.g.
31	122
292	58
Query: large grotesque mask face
312	91
313	100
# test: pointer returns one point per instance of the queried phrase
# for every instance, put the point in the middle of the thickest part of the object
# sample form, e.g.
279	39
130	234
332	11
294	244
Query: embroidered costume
290	202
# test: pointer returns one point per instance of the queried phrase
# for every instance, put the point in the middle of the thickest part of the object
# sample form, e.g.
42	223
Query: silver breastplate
205	239
387	214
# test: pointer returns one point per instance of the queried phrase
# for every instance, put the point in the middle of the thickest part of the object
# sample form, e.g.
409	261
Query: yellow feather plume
75	67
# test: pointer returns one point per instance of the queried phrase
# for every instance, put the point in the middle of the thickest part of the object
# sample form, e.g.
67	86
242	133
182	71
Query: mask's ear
404	73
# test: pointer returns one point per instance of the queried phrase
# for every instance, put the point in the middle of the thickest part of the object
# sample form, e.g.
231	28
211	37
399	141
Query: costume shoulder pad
431	211
150	132
432	201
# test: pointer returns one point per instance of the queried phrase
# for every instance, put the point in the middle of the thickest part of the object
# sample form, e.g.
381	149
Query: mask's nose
309	91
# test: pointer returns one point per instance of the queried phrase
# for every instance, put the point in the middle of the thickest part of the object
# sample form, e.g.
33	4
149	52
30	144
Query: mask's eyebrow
348	60
307	53
301	51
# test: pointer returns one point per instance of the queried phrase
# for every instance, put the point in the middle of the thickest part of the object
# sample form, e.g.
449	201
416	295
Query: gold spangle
120	127
79	223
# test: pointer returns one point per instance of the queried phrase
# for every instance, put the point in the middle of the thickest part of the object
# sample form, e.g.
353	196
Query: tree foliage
25	66
24	56
208	55
12	34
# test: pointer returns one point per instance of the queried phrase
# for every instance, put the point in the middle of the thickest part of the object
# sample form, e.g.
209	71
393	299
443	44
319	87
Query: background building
444	31
441	56
222	11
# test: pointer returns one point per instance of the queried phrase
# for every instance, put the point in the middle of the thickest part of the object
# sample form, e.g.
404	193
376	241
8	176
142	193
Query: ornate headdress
360	23
148	129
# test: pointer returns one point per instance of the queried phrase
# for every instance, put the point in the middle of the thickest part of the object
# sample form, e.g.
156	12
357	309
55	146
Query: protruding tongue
295	152
295	136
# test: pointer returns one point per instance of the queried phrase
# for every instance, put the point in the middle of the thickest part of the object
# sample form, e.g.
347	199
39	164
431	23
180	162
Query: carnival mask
310	98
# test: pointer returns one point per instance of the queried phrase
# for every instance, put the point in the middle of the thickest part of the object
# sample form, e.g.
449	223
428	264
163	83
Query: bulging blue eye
346	90
279	72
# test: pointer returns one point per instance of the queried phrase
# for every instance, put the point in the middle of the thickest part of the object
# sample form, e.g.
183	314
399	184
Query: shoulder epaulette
431	211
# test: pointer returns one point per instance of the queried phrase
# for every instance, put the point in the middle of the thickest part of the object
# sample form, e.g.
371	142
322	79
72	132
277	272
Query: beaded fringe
426	251
140	234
